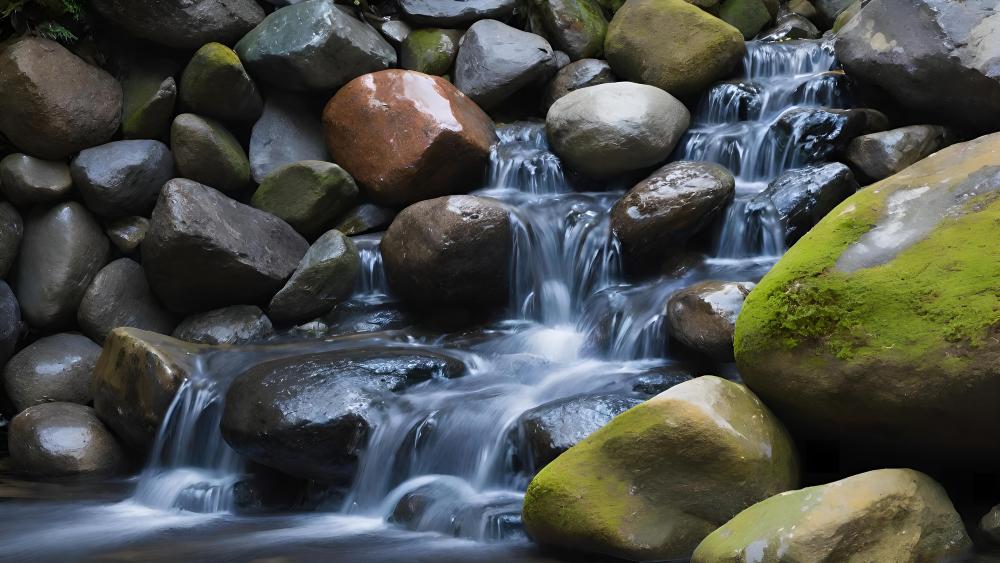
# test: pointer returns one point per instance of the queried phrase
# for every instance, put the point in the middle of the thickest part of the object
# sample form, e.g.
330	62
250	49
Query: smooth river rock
185	24
430	51
309	195
26	180
56	368
237	324
215	84
880	155
61	440
120	296
290	130
575	27
702	317
206	152
576	75
122	178
496	60
455	13
803	196
324	277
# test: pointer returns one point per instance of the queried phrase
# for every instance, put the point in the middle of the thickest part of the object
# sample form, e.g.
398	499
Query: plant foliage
58	20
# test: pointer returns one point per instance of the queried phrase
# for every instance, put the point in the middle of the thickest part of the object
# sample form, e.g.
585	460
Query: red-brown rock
406	136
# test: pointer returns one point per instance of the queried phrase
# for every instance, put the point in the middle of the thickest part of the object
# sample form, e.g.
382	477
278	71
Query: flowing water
576	326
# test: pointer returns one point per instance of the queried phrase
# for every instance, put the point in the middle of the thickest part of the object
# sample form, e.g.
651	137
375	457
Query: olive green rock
888	516
672	45
846	16
748	16
310	195
660	477
430	50
208	153
881	326
215	84
150	94
325	276
575	27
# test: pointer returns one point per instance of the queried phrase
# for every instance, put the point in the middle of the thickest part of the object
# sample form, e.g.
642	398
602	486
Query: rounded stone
325	276
880	155
290	130
56	368
207	153
309	195
27	180
238	324
702	317
122	178
120	296
430	51
184	25
63	439
215	84
576	75
576	27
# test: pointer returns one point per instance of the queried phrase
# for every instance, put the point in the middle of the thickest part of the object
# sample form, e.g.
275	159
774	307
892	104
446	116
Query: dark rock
430	51
150	93
356	316
828	10
238	324
27	180
10	323
208	153
127	233
748	16
187	24
288	131
216	85
122	178
657	380
454	13
62	439
880	155
990	524
576	27
325	276
702	317
120	296
309	195
56	368
11	232
790	26
365	218
803	196
496	60
576	75
810	135
743	100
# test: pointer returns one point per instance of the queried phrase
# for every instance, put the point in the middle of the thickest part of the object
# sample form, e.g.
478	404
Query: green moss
215	84
431	51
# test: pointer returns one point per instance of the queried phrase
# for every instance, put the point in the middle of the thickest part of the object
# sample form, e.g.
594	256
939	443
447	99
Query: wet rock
672	45
309	195
237	324
26	180
828	10
576	75
56	368
325	276
694	456
880	155
62	250
288	131
790	26
452	250
440	138
63	439
455	14
660	214
748	16
356	316
395	30
657	380
496	60
802	197
11	232
183	25
122	178
703	316
804	8
208	153
310	416
609	129
990	524
120	296
313	45
52	103
931	55
430	51
817	134
216	85
847	15
150	94
127	233
365	218
883	515
576	27
10	323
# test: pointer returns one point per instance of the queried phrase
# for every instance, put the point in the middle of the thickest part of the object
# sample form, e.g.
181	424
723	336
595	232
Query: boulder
237	324
934	56
496	60
62	250
325	276
702	317
185	25
576	27
150	94
127	233
440	139
208	153
453	250
365	218
63	439
878	328
803	196
576	75
288	131
885	515
52	103
748	16
880	155
232	253
694	456
309	195
26	180
10	323
313	45
56	368
813	135
672	45
122	178
455	13
661	213
216	85
120	296
11	233
430	50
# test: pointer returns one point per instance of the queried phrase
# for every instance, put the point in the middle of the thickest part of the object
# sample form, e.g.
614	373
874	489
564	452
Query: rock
450	13
804	8
883	515
791	26
577	75
216	85
234	254
309	195
803	196
661	213
496	60
933	56
238	324
828	10
26	180
62	250
365	218
694	456
325	276
183	25
900	280
440	138
395	30
748	16
10	323
288	131
209	154
52	103
451	250
63	439
120	296
880	155
122	178
313	45
127	233
609	129
150	94
11	232
672	45
847	15
576	27
430	50
55	368
812	135
310	416
703	316
358	315
990	524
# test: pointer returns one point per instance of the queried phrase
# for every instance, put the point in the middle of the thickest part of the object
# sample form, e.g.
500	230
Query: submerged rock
183	25
63	439
26	180
880	155
122	178
238	324
51	369
120	296
803	196
496	60
325	276
703	316
206	152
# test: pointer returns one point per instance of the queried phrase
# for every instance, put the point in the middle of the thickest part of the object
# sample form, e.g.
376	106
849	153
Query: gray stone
208	153
120	296
702	317
454	13
496	60
122	178
576	75
63	439
288	131
325	276
880	155
10	323
186	24
803	196
11	232
27	180
365	218
127	233
56	368
238	324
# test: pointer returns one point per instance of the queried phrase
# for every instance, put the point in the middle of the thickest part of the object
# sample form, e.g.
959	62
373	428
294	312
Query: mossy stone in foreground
881	327
215	84
309	195
430	51
663	475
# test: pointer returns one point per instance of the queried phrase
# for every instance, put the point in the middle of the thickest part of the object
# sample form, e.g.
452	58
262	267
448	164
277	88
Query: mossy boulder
748	16
575	27
215	84
663	475
309	195
430	51
881	326
672	45
888	515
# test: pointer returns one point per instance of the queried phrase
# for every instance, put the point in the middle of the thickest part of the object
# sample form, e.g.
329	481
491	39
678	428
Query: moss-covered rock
309	195
889	516
576	27
881	327
150	94
208	153
430	50
663	475
748	16
215	84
